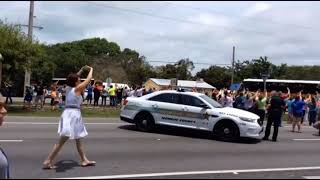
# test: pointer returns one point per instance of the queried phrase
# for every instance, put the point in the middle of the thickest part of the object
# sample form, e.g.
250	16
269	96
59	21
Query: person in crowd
312	106
45	95
9	90
4	163
262	103
89	95
239	101
214	95
304	110
275	109
150	91
126	92
27	98
248	102
63	94
297	110
289	107
226	100
54	98
71	125
40	96
132	92
119	96
139	92
104	96
96	94
34	93
112	94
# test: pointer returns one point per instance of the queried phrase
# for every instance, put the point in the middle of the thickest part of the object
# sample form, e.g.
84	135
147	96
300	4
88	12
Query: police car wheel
227	131
145	123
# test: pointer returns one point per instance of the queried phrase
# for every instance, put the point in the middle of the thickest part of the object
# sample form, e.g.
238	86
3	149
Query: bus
295	86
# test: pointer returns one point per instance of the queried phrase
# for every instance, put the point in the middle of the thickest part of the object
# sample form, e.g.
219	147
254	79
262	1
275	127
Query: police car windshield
211	101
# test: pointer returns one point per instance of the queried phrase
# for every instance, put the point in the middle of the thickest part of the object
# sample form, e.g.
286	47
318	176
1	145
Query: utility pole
232	74
27	76
1	59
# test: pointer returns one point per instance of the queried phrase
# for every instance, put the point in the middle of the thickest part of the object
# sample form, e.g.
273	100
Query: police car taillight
125	102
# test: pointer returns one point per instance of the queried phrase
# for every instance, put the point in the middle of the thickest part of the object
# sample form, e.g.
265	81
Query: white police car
190	110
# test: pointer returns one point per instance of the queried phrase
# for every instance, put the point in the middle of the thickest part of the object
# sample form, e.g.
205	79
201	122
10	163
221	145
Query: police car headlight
247	119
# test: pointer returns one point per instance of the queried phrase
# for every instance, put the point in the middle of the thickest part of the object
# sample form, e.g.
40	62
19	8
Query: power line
251	18
184	21
175	19
199	63
138	31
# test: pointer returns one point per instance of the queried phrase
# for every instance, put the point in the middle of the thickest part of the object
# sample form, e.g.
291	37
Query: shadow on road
65	165
190	133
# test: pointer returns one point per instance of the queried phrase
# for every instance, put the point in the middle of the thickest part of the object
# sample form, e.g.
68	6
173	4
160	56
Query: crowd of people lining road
96	95
301	108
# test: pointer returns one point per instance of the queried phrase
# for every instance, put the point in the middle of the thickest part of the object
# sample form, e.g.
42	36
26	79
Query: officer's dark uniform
275	112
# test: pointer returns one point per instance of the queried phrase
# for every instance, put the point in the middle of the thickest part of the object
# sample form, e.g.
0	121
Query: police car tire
145	122
227	131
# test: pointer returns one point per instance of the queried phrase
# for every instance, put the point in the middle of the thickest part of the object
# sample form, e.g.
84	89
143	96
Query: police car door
166	109
194	115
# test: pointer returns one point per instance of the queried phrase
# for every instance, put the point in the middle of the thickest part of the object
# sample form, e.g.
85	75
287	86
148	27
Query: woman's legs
56	149
83	158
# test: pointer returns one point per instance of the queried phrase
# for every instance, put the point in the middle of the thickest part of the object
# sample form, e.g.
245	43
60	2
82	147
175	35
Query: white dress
71	124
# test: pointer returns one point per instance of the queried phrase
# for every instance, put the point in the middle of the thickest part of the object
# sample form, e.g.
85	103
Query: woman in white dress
71	125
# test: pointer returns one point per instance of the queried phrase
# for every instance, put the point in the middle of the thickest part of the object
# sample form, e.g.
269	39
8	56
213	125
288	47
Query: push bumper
251	130
127	119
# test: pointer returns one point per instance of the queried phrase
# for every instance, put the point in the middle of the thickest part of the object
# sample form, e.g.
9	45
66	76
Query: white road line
308	127
11	140
196	173
306	139
311	177
56	123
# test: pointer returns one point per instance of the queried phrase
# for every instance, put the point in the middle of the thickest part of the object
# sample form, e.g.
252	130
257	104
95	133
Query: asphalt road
177	153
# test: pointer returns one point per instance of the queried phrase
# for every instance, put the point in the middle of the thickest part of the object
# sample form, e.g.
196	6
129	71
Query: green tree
17	49
217	76
181	70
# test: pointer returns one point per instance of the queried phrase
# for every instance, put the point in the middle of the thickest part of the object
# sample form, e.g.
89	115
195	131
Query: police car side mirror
204	106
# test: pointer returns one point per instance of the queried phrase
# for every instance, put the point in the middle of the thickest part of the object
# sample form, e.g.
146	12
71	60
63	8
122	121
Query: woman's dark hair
72	80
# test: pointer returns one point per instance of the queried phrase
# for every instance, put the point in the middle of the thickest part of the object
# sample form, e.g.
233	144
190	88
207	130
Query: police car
189	110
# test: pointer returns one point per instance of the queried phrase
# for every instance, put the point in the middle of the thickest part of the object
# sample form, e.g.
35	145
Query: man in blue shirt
297	111
90	92
239	102
289	106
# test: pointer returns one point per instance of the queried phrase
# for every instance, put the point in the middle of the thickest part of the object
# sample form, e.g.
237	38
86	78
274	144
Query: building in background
163	84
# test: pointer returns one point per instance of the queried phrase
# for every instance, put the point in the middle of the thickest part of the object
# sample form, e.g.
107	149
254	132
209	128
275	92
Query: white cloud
257	8
209	40
210	19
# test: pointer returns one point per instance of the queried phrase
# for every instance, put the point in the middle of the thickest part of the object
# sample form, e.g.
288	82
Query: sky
203	31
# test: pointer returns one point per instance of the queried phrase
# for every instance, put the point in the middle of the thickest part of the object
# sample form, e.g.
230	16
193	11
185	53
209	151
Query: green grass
47	112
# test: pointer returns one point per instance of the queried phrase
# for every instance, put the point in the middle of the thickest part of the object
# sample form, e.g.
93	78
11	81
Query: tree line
122	65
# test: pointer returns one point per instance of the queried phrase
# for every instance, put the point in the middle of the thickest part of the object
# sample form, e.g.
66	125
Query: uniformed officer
275	109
